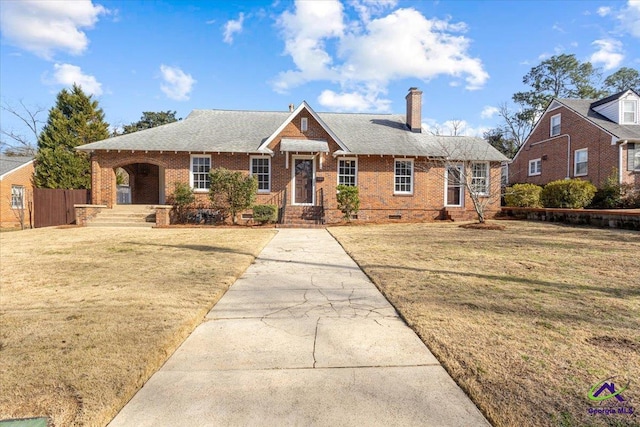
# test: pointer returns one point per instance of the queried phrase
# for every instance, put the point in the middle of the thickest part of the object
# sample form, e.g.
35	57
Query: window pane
347	172
555	125
479	177
403	176
200	170
17	197
260	168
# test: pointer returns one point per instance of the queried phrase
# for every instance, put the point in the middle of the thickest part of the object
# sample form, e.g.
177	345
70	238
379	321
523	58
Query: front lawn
526	320
87	315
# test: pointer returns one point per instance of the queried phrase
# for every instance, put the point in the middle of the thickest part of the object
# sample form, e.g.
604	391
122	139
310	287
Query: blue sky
351	55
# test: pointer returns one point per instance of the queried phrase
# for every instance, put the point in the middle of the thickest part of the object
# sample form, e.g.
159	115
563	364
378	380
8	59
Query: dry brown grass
88	314
526	320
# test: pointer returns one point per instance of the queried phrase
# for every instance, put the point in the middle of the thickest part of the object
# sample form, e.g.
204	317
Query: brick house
300	156
16	189
581	138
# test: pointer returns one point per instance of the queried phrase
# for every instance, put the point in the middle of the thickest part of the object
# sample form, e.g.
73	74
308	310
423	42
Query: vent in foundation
395	216
354	216
247	216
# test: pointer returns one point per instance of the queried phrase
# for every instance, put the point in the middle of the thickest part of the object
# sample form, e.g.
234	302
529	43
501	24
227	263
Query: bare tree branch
19	143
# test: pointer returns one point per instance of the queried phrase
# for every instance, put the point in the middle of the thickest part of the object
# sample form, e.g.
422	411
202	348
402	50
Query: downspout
568	155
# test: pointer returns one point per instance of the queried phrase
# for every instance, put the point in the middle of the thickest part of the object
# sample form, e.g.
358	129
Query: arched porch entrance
140	184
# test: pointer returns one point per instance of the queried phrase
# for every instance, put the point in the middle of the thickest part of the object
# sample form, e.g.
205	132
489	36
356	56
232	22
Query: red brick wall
22	176
375	177
603	157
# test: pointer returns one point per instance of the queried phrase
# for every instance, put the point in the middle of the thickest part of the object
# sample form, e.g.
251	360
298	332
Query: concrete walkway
302	338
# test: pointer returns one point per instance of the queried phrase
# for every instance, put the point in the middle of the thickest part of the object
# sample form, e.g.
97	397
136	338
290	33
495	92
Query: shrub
348	200
630	197
231	192
523	196
609	196
567	193
181	198
265	213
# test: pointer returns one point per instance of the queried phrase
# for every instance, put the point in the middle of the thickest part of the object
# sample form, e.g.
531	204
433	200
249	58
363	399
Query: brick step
303	215
125	216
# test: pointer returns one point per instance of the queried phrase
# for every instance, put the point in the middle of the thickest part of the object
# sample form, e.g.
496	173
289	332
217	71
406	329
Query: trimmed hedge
523	196
567	193
265	213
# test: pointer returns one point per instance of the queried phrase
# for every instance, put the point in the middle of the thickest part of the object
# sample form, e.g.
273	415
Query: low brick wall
162	215
86	212
614	218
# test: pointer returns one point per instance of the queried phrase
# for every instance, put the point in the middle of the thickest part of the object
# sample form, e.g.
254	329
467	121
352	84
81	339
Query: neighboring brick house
581	138
299	157
16	189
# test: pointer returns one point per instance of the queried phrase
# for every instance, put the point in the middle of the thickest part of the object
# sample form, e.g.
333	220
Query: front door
303	181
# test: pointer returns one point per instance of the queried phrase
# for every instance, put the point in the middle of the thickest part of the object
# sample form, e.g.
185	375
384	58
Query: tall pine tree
75	120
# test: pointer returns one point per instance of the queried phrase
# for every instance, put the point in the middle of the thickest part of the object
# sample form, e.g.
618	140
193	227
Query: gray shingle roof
304	145
584	108
9	163
245	131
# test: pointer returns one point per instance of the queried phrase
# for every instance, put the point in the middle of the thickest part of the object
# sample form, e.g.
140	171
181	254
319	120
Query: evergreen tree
151	119
75	120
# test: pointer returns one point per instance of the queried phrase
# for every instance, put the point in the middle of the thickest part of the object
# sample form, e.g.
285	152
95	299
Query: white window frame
537	167
575	162
355	176
17	197
396	176
252	173
633	111
552	126
192	180
486	178
304	124
460	168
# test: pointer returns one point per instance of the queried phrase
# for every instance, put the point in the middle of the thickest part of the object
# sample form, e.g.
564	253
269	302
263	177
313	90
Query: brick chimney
414	109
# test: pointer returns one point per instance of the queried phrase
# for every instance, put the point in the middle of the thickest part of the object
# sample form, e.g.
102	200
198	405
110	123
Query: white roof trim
15	169
303	106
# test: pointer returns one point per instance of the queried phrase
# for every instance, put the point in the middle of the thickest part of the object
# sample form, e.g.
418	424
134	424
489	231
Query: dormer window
304	124
555	125
629	112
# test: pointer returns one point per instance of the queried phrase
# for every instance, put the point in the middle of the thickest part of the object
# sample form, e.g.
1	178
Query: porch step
125	216
303	216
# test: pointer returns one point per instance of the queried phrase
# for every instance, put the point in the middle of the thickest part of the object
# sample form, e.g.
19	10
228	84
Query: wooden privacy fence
55	207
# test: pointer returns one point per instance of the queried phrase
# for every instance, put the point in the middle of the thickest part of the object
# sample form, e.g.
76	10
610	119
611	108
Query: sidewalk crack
315	339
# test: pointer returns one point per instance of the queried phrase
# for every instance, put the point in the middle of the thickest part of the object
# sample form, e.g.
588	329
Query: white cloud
369	53
558	28
177	84
232	27
604	11
630	18
352	102
609	53
67	75
368	8
488	112
44	27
